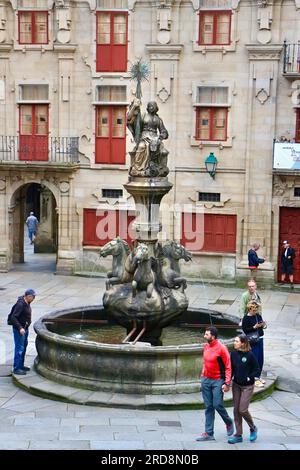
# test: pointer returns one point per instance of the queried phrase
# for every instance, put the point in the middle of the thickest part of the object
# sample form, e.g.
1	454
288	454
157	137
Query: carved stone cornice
5	47
264	52
164	51
65	48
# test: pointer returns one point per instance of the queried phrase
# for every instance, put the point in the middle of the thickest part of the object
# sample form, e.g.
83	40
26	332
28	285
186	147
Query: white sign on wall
286	156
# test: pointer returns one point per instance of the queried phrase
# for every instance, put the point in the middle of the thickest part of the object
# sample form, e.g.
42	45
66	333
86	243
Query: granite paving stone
117	445
29	422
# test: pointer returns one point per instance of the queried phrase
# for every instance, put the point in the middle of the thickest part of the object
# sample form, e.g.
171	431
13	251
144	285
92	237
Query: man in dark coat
287	260
20	319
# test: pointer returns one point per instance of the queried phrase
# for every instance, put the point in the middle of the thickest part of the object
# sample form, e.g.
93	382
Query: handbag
253	338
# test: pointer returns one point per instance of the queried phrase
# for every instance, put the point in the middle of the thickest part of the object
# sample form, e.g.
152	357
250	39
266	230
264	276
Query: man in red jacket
215	380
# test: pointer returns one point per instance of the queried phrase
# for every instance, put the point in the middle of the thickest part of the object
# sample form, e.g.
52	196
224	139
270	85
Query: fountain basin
120	368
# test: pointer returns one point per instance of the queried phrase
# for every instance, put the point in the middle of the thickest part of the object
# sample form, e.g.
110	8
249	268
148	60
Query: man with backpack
20	319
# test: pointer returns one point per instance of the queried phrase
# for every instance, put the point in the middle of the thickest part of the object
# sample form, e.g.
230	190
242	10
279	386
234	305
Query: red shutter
89	226
118	136
110	134
103	134
100	227
219	232
119	42
112	38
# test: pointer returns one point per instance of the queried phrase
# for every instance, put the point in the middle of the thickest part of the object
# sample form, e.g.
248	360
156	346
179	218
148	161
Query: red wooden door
110	134
111	53
33	132
289	229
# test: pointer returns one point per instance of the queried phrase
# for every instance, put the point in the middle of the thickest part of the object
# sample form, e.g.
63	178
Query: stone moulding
264	52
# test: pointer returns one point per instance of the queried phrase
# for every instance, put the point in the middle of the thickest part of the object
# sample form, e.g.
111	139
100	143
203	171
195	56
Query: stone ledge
35	384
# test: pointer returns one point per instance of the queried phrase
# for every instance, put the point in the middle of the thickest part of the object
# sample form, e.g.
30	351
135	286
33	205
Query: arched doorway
39	199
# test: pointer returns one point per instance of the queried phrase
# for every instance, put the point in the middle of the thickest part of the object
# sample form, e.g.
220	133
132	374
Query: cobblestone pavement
29	422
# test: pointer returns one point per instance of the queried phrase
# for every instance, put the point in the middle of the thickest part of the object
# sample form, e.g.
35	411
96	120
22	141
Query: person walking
32	223
253	260
250	294
287	263
244	370
20	319
215	381
253	322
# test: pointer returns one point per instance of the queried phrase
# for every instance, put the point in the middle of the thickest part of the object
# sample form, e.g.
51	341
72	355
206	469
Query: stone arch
45	204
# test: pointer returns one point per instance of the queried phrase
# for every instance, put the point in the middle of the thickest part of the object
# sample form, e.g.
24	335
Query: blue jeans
31	232
258	351
213	400
21	342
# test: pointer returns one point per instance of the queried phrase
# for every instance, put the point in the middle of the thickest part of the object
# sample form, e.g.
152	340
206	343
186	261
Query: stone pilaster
263	75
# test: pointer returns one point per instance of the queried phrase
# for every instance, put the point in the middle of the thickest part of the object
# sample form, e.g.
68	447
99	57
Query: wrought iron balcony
291	59
39	150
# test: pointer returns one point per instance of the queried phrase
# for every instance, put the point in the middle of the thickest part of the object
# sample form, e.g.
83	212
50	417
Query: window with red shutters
33	141
33	27
219	232
297	133
102	226
110	134
211	123
214	28
111	54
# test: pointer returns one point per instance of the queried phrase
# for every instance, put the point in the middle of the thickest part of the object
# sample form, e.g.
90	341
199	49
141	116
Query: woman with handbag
244	370
253	326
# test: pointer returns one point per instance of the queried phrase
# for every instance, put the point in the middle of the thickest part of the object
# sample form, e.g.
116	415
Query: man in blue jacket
253	260
20	319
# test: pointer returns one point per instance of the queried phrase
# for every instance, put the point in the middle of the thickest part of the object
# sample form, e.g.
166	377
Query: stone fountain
145	290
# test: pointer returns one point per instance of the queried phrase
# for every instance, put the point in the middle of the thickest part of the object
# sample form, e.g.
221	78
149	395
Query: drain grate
2	288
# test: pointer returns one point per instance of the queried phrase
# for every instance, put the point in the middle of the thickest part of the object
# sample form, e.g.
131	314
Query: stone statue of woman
149	157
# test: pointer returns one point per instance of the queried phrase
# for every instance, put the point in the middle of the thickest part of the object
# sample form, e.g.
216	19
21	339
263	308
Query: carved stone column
3	226
65	255
263	73
45	242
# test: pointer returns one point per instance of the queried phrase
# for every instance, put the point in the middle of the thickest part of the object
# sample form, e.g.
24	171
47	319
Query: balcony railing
39	149
291	59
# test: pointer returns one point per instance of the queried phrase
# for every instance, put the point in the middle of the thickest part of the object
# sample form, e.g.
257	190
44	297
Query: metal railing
39	149
291	58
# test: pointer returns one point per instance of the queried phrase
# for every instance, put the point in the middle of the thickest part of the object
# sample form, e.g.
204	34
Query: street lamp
211	164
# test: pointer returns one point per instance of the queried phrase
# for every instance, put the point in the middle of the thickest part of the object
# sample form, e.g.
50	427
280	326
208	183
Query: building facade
226	77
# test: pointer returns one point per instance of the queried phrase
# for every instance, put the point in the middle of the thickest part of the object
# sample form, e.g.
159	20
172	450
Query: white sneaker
258	383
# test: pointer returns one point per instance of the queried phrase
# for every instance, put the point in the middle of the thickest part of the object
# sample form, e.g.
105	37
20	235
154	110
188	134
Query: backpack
10	315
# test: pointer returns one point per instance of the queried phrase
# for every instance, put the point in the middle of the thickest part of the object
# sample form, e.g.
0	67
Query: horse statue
169	270
122	265
143	278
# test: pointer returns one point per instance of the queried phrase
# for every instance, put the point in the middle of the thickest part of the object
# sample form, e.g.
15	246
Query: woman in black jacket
244	370
253	323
